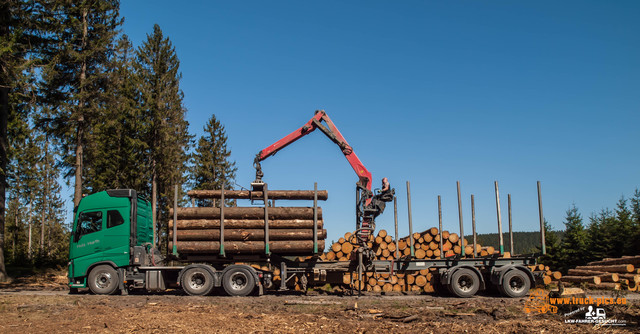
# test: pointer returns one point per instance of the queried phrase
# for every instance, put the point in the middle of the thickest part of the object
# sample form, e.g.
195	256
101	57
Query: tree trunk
604	277
154	199
42	234
4	113
248	234
200	224
247	213
618	268
77	193
247	247
635	260
581	279
273	194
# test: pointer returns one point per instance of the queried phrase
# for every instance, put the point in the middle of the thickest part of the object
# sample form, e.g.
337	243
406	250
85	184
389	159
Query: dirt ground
42	304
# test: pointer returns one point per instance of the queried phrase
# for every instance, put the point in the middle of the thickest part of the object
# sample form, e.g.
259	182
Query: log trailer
111	247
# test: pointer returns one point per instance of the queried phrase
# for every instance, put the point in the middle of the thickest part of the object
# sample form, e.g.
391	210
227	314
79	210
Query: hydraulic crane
368	206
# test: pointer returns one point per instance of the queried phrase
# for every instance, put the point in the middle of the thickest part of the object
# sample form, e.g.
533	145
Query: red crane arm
365	178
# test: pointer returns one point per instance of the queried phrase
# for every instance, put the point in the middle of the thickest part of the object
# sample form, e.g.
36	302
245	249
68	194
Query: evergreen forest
81	105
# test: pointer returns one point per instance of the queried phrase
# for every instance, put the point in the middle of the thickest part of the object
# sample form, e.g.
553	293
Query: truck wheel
515	283
197	281
103	280
464	283
238	282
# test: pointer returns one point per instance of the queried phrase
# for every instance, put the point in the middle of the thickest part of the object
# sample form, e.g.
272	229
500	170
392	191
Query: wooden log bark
608	286
635	260
197	224
273	194
581	279
604	277
276	213
246	247
617	268
630	277
247	234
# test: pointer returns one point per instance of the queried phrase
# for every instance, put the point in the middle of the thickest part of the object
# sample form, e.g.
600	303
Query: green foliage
552	247
167	136
75	77
119	151
635	234
211	166
600	234
573	248
523	242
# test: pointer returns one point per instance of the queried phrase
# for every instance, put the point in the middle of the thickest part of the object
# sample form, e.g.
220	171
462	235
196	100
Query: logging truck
111	251
251	249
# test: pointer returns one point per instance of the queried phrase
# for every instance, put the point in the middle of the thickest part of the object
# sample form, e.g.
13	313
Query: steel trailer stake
266	219
510	225
395	219
315	218
473	225
499	218
440	226
410	223
175	221
542	236
222	253
462	252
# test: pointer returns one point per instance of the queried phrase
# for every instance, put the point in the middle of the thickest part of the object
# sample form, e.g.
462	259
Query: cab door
87	240
100	235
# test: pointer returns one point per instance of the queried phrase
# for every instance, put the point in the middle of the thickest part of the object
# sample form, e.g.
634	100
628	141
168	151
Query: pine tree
18	38
552	243
119	157
635	234
75	78
167	138
573	247
623	229
600	235
49	209
211	165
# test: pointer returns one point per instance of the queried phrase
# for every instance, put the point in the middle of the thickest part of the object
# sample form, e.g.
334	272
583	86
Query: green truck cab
111	250
107	226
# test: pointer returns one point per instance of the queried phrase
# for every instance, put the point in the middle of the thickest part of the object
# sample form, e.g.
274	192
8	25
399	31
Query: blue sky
427	92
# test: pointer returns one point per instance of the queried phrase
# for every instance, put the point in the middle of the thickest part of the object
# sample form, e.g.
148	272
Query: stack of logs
548	276
611	274
426	246
290	228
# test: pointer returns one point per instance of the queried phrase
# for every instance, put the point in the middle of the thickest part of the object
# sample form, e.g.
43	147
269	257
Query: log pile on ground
290	228
612	274
547	276
426	245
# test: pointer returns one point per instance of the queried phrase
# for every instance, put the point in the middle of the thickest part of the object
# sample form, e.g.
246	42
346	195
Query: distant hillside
523	242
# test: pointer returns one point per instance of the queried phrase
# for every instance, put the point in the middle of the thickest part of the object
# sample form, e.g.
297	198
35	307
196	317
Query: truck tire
197	281
103	280
238	281
464	283
515	283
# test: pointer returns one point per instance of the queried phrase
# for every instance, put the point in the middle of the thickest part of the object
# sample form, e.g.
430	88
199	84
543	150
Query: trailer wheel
238	282
103	280
515	283
464	283
197	281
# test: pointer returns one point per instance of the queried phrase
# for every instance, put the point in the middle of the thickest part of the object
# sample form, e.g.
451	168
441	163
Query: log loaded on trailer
111	248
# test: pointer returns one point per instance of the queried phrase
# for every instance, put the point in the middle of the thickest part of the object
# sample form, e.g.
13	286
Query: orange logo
539	302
